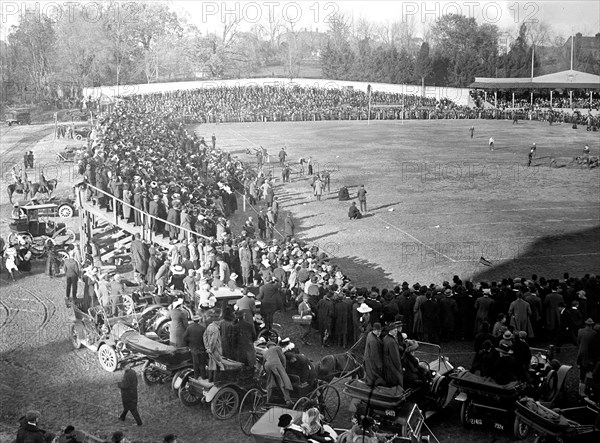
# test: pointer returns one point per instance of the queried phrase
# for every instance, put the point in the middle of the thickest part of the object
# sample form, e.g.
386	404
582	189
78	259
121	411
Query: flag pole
572	38
532	57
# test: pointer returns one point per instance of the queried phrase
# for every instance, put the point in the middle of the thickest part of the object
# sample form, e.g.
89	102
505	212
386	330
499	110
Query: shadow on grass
370	273
550	256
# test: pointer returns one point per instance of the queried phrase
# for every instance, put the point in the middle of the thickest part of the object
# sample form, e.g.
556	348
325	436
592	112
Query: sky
565	16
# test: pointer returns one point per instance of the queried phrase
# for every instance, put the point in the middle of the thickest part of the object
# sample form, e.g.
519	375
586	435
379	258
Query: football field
438	200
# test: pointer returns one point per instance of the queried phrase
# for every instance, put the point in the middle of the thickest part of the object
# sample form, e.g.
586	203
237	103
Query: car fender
562	374
212	392
151	309
181	378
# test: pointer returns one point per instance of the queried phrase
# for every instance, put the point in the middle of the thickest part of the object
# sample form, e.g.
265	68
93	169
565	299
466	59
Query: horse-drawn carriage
487	403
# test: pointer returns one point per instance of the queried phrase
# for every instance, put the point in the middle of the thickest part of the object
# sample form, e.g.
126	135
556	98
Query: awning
569	79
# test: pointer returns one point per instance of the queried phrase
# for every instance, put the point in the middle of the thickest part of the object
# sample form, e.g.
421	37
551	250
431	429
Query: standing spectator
318	187
491	143
228	334
246	305
72	273
179	324
271	302
342	320
585	338
116	289
483	307
431	319
282	156
193	338
270	221
535	302
325	318
392	365
189	286
552	312
565	327
214	349
245	334
519	313
362	198
173	219
129	394
373	358
472	130
214	141
310	166
140	256
448	313
127	202
51	260
262	224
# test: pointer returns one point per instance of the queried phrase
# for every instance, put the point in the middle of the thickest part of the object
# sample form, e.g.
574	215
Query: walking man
282	156
129	394
472	130
491	143
362	198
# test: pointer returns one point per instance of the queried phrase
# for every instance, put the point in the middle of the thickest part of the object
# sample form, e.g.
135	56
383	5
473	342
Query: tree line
55	57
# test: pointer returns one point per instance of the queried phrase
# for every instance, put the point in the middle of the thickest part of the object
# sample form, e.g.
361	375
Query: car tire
65	211
108	358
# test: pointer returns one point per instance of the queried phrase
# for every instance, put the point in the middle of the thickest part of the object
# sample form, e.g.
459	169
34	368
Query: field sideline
453	199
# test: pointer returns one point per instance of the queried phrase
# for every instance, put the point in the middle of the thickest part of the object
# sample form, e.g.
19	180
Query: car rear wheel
465	414
225	404
187	396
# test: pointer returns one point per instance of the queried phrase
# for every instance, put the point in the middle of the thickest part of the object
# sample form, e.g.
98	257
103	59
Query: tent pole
513	100
496	99
550	98
571	99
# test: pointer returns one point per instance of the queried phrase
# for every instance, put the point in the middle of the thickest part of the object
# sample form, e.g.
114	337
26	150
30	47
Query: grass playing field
437	199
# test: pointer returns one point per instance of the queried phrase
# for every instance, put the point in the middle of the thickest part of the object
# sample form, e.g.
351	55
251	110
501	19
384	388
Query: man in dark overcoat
373	357
129	394
392	364
139	256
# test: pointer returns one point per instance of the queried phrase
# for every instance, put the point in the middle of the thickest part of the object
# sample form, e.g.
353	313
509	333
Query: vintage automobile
114	339
81	133
489	404
413	430
20	116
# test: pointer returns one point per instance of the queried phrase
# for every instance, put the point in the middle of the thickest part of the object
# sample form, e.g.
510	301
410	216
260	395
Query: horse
339	365
28	188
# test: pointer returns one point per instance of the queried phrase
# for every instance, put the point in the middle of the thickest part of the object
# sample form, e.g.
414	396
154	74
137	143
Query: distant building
584	46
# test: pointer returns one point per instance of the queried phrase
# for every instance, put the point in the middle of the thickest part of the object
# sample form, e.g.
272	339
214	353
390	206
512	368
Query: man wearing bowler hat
373	357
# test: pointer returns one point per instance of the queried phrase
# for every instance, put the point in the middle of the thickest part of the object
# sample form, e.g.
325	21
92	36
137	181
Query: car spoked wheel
225	403
465	414
187	396
108	358
150	374
65	211
164	331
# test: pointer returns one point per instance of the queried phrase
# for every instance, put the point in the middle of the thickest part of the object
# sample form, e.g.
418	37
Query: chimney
578	35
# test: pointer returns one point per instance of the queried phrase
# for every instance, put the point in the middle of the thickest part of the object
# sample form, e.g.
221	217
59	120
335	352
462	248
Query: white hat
233	276
178	270
364	308
177	303
266	263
